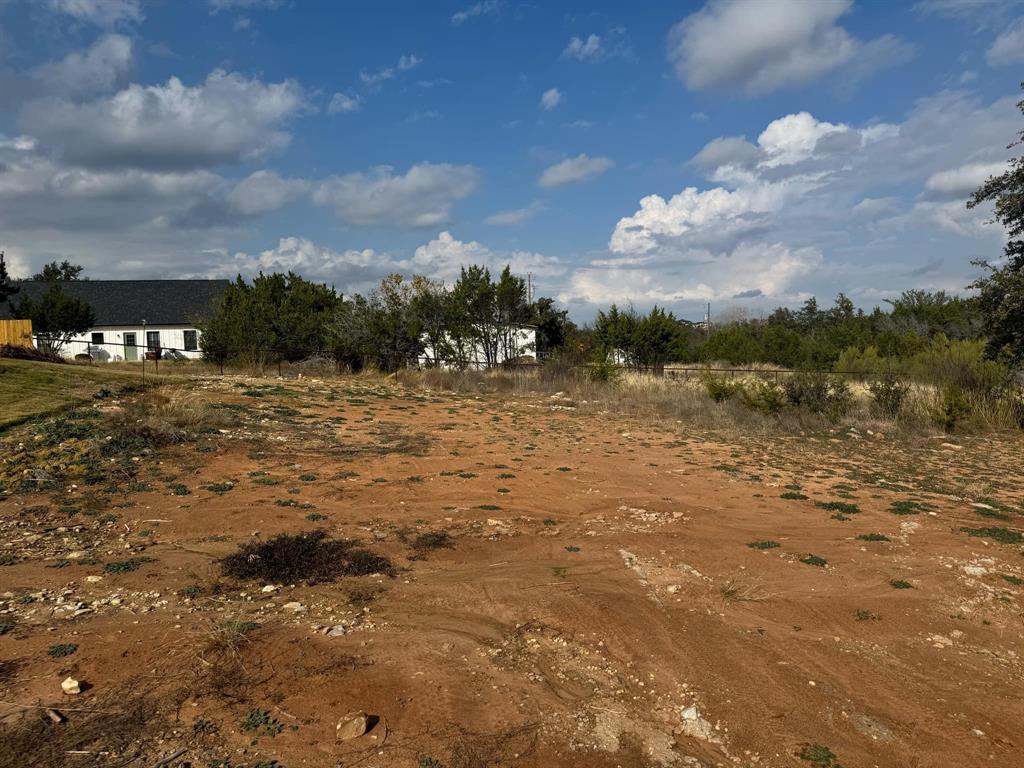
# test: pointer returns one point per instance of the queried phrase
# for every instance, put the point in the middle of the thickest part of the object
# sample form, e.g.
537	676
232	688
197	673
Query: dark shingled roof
128	302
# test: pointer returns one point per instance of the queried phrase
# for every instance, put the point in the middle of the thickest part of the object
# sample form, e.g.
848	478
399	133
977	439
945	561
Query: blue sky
749	153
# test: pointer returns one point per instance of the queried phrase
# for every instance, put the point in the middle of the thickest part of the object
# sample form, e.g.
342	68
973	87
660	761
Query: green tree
63	271
1001	289
56	317
474	295
7	288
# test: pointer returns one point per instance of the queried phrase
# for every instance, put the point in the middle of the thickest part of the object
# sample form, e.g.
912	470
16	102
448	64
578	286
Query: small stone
294	606
351	726
70	686
270	588
94	579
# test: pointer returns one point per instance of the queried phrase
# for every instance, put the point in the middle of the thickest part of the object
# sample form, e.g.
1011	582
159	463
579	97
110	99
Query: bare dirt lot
567	589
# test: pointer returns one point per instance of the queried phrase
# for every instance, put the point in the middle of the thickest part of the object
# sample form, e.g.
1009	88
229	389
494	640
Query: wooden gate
16	333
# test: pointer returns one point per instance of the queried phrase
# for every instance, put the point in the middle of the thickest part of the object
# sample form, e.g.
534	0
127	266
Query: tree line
475	322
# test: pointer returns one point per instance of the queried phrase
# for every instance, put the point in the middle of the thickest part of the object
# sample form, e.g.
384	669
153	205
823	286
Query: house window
153	339
191	341
97	338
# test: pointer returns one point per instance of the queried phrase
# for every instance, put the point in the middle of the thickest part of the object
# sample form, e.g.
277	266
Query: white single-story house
518	344
134	317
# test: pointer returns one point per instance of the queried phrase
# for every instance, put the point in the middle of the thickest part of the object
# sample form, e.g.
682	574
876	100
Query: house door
131	352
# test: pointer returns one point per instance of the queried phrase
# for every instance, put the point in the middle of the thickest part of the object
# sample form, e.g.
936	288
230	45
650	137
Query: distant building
516	346
134	317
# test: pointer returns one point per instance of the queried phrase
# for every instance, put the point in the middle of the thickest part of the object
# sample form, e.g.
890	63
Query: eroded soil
600	603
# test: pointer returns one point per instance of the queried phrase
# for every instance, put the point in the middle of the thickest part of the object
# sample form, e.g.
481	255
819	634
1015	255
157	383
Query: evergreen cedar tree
1001	289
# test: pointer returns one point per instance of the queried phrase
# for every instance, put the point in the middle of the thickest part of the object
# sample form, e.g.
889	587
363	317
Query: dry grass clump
303	557
163	417
118	729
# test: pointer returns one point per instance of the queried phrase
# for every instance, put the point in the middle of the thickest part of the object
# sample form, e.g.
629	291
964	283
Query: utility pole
529	288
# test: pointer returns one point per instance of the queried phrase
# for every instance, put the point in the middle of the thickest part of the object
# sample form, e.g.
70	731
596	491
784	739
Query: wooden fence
16	333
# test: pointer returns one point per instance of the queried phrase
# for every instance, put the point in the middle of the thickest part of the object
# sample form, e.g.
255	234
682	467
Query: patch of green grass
873	537
127	566
1002	535
506	476
815	560
178	489
260	723
307	477
900	584
842	507
764	544
909	507
315	516
293	503
266	481
467	475
794	495
60	650
819	756
1015	580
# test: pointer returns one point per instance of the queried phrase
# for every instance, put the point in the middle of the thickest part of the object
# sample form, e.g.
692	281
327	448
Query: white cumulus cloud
483	8
550	99
1008	47
422	197
574	170
227	119
265	191
757	47
583	50
342	102
103	13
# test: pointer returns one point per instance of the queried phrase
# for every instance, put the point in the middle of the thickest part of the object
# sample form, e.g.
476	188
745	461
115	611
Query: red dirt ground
600	605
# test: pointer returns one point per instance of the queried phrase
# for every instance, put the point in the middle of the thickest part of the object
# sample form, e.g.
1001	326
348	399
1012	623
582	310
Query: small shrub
842	507
310	557
819	393
863	615
818	562
900	584
819	756
127	566
220	488
873	537
721	389
178	489
1015	580
953	407
261	723
1002	535
794	495
60	650
764	396
909	507
889	393
604	371
429	762
765	544
433	540
6	626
